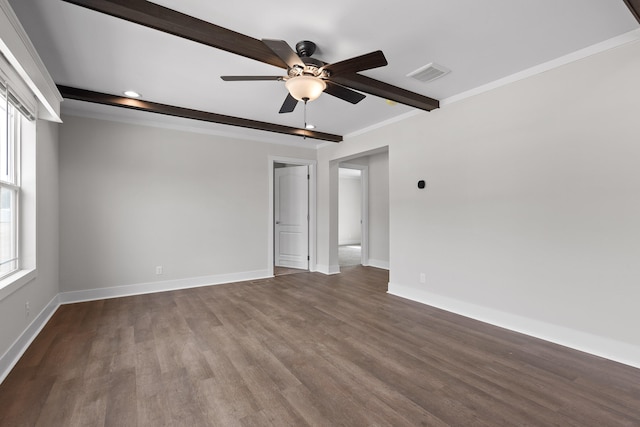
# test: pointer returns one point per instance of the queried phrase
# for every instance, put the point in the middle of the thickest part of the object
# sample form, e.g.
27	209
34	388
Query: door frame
295	232
312	208
364	208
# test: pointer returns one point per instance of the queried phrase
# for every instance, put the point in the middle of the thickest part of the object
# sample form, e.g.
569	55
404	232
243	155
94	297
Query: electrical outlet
423	278
26	309
158	269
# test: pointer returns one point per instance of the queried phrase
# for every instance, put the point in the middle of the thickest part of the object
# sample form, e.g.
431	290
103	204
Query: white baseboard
17	349
153	287
328	269
582	341
378	264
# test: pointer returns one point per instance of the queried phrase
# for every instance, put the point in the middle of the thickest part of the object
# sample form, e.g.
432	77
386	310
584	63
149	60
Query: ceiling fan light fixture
305	87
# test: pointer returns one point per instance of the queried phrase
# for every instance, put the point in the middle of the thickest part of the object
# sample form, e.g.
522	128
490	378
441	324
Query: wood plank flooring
281	271
303	349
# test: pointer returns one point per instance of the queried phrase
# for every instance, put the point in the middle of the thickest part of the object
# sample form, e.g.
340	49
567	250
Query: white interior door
291	240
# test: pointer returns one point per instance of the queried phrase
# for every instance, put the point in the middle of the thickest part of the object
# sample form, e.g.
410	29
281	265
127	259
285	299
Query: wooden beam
170	21
170	110
634	7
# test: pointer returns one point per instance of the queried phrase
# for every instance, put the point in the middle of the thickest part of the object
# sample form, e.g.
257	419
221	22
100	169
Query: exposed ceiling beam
386	91
634	6
170	110
170	21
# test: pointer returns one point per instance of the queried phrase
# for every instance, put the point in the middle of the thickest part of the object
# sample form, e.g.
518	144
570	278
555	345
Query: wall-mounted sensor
421	184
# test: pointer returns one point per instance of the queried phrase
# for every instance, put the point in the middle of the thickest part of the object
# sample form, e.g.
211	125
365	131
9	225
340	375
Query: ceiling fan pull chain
305	118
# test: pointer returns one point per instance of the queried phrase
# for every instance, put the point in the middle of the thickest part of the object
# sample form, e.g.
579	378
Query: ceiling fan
308	77
340	79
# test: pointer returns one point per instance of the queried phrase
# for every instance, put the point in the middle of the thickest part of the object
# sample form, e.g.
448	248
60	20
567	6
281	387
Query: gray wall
350	208
135	197
40	291
532	202
379	210
378	196
530	215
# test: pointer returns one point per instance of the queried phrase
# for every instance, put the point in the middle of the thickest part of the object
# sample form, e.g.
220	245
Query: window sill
14	282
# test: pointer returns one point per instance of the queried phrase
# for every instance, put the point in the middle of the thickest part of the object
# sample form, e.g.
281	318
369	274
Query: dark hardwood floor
303	349
281	271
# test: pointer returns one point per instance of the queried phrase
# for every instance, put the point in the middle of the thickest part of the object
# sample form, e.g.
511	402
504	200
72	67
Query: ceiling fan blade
359	63
386	91
289	104
250	78
173	22
343	93
284	52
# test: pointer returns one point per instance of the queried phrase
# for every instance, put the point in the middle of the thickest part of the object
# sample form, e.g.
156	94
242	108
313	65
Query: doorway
353	229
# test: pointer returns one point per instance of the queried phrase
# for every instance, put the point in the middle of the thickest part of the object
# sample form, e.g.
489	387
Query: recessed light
131	94
310	126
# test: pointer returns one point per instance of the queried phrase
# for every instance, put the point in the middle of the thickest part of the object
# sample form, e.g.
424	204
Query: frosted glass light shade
301	87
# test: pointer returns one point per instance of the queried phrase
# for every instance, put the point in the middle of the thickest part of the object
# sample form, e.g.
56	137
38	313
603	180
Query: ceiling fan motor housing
309	77
312	66
305	48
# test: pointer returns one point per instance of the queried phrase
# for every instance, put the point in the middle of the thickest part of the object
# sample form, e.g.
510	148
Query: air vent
429	72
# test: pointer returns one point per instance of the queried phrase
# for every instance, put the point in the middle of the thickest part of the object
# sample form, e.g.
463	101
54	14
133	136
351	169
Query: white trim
312	208
16	85
364	208
327	269
381	124
614	42
597	345
12	283
377	263
164	286
23	57
20	345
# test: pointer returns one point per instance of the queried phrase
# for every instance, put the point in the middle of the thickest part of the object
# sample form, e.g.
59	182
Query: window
10	126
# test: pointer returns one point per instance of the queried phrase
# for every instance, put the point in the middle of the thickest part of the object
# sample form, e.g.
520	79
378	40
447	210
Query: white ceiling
480	41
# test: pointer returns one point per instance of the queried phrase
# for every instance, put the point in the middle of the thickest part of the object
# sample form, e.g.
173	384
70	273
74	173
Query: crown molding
612	43
23	57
